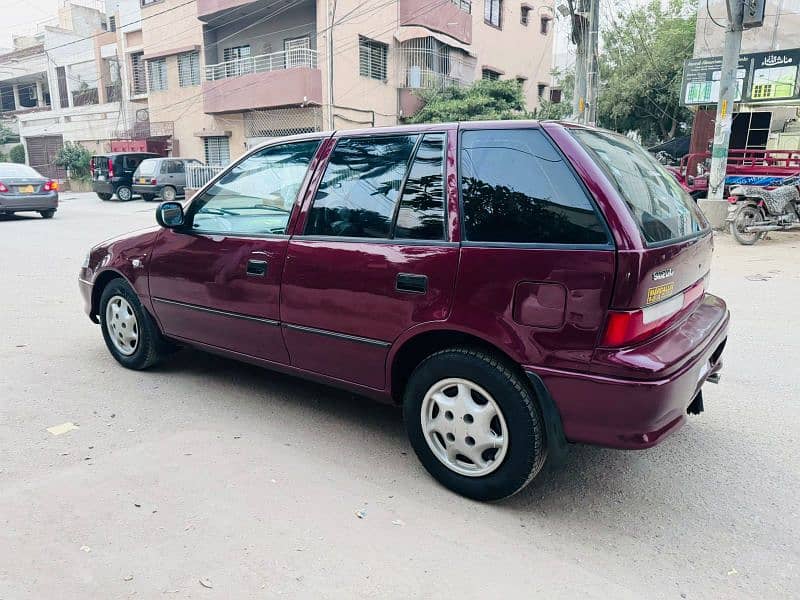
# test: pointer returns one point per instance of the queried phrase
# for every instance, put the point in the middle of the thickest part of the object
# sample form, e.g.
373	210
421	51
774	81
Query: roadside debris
128	578
63	428
86	549
398	522
361	514
206	583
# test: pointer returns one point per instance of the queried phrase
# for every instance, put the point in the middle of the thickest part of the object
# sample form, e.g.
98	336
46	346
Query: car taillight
3	187
628	327
110	167
51	186
153	182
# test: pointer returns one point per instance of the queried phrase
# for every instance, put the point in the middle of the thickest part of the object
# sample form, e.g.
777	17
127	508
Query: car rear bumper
638	413
31	202
103	187
150	190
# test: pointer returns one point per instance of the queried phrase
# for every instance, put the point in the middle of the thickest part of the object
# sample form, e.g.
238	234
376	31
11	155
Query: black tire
745	214
151	347
527	448
124	193
169	194
148	197
48	214
104	197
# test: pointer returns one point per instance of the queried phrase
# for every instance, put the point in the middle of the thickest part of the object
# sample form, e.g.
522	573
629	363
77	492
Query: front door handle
256	268
411	283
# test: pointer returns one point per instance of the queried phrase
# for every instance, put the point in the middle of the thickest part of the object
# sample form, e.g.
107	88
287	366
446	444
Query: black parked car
112	173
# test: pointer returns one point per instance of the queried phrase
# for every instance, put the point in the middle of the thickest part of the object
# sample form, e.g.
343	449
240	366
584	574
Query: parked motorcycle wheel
746	216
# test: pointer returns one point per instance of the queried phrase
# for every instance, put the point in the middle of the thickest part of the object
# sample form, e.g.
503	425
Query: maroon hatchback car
514	285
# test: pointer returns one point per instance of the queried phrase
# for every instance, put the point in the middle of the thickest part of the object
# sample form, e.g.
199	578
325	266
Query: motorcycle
754	211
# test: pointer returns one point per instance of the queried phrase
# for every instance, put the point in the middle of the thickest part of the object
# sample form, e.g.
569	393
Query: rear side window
131	162
658	204
516	188
148	167
421	212
361	186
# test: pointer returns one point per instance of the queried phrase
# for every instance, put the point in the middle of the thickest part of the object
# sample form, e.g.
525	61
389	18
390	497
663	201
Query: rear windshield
100	163
660	206
9	170
148	167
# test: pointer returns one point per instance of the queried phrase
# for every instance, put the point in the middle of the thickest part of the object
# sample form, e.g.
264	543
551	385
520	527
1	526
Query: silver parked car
23	189
162	177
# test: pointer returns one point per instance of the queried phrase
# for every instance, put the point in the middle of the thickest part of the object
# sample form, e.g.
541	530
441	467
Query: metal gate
42	153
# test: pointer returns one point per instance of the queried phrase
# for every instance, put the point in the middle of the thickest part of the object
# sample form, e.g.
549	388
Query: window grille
138	76
492	10
217	150
490	75
372	58
157	69
189	69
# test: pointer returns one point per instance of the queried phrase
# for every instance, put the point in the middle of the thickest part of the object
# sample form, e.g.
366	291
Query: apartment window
189	69
541	88
138	76
555	95
235	59
525	15
149	2
217	150
544	25
490	75
63	87
372	58
492	10
297	52
522	81
465	5
157	74
112	23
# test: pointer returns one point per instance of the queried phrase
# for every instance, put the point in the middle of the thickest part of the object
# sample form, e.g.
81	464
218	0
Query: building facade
768	106
231	73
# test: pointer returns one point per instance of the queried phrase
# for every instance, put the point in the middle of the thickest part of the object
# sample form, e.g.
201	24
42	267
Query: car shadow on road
17	217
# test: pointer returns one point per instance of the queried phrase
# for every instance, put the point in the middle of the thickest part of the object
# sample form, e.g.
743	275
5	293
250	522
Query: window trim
488	22
387	240
610	245
296	205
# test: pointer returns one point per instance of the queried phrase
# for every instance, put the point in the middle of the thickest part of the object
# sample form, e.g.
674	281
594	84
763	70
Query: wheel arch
100	283
413	350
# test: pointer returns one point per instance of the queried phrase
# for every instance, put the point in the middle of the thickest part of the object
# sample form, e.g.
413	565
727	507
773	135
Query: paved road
249	480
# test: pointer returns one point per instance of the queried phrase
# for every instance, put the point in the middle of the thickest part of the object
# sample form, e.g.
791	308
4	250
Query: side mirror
170	214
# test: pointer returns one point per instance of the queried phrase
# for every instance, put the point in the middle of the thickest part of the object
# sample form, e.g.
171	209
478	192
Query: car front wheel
48	214
129	331
474	423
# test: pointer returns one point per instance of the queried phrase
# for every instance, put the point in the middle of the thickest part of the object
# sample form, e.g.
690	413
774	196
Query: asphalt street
204	478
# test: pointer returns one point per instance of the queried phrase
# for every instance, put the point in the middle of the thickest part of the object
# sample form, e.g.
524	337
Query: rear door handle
256	268
411	283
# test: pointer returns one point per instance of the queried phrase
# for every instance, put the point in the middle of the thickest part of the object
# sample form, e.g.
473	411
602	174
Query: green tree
484	99
75	158
17	154
6	135
641	66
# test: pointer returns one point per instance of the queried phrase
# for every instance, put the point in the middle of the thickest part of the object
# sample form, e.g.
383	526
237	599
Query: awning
171	52
410	32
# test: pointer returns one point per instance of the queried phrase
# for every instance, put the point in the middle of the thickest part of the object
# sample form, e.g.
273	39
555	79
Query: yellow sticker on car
654	294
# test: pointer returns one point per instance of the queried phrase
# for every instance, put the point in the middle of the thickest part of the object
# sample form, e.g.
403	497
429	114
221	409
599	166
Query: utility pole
577	13
592	67
331	14
727	96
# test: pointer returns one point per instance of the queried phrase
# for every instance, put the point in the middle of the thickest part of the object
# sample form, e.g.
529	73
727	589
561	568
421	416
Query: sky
21	16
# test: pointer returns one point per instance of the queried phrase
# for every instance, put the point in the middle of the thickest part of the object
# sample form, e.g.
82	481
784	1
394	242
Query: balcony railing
85	97
288	59
113	93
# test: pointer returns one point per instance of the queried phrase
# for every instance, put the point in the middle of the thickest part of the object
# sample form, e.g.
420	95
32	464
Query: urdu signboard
762	77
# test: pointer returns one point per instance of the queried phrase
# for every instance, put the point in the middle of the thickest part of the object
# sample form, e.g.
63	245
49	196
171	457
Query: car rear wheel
474	423
130	333
124	193
48	214
104	197
748	214
168	194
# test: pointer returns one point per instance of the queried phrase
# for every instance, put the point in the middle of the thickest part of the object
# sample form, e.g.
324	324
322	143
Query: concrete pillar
40	95
715	211
15	87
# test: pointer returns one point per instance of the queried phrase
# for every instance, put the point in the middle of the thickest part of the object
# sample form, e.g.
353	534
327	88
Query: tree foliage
6	135
17	154
76	158
641	66
483	100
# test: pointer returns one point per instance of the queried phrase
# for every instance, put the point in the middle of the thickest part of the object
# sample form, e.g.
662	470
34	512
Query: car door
374	256
217	280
